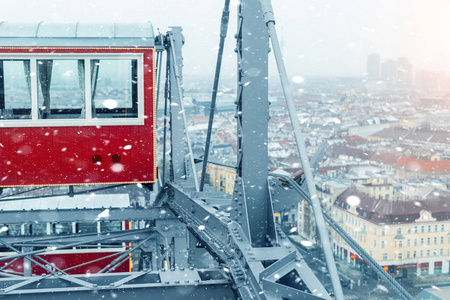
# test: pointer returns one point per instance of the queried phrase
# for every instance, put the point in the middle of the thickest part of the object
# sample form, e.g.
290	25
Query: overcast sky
320	38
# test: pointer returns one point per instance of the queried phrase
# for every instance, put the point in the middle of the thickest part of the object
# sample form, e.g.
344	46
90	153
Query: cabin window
15	89
60	88
109	226
114	88
90	90
38	229
87	227
63	228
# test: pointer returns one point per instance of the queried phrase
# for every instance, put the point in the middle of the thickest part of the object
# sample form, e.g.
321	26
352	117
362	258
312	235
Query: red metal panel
63	155
66	260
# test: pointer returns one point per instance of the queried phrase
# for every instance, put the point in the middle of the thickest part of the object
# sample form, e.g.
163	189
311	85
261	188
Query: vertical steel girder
183	167
252	207
177	134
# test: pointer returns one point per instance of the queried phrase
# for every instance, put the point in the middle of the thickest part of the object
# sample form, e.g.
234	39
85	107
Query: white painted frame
88	121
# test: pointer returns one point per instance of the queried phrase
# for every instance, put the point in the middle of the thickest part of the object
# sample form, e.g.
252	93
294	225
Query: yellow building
377	185
220	176
408	237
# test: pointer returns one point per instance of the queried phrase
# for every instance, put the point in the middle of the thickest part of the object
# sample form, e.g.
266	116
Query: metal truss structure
193	243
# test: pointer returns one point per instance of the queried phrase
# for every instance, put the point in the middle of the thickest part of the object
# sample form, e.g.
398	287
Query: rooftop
382	211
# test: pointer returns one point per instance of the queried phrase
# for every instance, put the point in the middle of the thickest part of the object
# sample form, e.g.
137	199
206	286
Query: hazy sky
319	37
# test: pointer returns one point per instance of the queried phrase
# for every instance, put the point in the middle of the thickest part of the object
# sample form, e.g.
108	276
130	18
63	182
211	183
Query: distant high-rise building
404	72
373	66
389	71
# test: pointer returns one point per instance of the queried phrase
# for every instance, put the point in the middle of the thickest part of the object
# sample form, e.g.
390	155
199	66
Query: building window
442	227
400	256
435	228
408	230
415	242
442	251
435	240
400	244
421	253
374	243
428	252
421	241
383	244
408	254
383	232
442	239
415	229
429	228
435	252
428	241
385	256
399	230
422	229
408	242
415	254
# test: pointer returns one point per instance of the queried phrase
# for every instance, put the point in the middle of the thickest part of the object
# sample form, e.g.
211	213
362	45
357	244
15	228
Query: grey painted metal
177	40
252	122
166	117
177	129
323	233
158	76
284	291
223	34
43	34
124	256
180	139
228	243
348	239
100	238
176	284
83	215
87	238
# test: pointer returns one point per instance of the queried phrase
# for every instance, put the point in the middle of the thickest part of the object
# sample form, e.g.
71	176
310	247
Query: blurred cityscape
385	176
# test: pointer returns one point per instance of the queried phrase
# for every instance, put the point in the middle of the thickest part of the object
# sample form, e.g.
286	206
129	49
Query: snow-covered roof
76	34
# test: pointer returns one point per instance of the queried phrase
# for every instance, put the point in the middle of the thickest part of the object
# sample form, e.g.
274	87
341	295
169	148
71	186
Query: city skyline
319	38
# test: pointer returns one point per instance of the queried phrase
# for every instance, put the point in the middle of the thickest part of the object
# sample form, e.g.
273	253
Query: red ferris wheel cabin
77	104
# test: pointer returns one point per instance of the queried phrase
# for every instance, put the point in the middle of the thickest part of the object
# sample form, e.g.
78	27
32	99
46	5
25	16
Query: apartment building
407	237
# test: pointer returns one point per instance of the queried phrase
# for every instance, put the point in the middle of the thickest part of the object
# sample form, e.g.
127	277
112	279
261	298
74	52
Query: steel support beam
84	215
227	242
176	284
177	110
177	130
252	205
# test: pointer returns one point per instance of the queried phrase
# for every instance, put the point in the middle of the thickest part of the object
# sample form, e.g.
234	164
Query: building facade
407	237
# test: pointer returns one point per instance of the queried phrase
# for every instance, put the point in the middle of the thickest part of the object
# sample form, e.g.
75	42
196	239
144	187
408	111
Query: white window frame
88	121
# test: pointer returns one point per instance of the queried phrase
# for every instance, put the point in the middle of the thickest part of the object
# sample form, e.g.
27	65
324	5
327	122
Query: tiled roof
392	212
354	139
421	135
337	150
423	165
391	133
385	158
